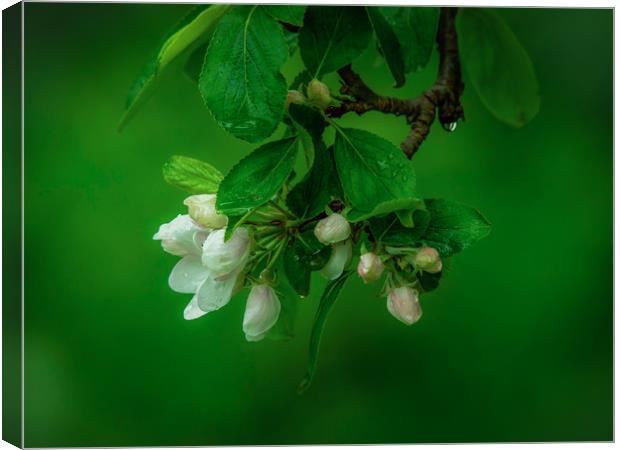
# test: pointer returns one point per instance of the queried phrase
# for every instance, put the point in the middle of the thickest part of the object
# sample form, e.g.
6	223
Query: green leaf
332	37
193	65
241	81
429	281
453	226
330	294
257	177
415	29
388	43
284	329
186	35
296	271
192	175
498	66
293	14
312	194
376	176
390	231
309	252
300	82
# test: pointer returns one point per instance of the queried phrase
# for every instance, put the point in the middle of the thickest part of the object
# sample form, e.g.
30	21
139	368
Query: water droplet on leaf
449	127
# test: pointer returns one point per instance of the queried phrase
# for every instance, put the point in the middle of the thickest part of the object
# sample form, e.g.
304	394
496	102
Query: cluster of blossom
214	269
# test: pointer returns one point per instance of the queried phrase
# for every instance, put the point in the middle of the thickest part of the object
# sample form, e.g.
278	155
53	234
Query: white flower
428	260
202	210
404	304
261	312
332	229
340	257
212	288
370	267
318	94
182	236
224	257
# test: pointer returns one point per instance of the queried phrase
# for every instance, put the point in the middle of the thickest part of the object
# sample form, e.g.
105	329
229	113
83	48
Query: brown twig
441	99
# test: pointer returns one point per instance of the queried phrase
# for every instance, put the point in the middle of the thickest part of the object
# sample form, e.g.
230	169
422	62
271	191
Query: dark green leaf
284	329
192	175
186	35
257	177
389	44
241	81
376	176
301	81
312	194
453	227
296	271
330	294
293	14
332	37
429	281
498	66
193	65
415	29
310	252
389	230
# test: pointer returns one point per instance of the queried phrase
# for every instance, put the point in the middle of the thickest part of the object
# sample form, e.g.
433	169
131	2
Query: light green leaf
332	37
415	29
330	294
453	226
192	175
498	66
376	176
257	177
186	35
241	81
388	43
293	14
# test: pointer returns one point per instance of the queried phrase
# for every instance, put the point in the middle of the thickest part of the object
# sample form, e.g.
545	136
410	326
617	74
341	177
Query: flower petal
182	236
341	255
261	312
216	292
192	310
188	274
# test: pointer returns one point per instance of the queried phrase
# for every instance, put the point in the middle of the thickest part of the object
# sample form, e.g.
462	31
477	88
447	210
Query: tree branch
441	99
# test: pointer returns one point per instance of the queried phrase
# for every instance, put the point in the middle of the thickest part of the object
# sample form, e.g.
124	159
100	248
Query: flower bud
261	312
295	97
340	257
370	267
403	303
318	94
428	260
222	257
202	210
332	229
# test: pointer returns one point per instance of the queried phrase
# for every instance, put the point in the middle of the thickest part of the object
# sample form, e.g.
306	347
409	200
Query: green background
516	345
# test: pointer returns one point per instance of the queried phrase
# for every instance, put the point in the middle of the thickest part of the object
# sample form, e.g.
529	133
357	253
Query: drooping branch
441	99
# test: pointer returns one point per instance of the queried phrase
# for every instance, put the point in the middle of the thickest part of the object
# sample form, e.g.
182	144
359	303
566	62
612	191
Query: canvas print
258	224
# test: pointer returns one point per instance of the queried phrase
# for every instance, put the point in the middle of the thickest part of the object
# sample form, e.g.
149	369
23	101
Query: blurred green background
516	345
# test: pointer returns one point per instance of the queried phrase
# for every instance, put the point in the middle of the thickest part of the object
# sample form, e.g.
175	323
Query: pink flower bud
318	94
332	229
295	97
370	267
202	210
428	260
403	303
